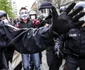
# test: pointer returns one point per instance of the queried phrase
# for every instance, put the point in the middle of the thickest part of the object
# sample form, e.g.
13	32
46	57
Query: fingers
76	12
53	8
70	8
79	23
76	18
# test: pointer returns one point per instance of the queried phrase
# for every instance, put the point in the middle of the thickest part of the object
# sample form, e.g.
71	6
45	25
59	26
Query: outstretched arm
26	40
33	40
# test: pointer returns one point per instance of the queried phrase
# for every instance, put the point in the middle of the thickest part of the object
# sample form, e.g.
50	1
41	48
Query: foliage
7	7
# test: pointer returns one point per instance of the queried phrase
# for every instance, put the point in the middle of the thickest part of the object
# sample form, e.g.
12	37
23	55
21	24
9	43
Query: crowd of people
61	35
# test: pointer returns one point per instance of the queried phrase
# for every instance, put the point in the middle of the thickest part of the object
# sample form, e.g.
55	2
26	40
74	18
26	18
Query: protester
26	22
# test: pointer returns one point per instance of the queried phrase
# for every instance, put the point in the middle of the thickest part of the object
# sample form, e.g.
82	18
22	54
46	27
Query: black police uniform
74	48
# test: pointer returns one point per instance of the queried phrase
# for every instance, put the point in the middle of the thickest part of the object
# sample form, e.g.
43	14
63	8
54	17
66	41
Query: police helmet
45	5
2	13
79	4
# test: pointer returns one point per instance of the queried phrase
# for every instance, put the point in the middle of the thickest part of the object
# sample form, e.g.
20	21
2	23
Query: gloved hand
45	21
48	17
66	20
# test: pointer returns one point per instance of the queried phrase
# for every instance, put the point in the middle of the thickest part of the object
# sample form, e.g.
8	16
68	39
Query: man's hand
67	20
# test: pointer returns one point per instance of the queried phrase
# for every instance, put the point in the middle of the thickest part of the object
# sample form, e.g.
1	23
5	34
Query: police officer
74	45
53	60
4	52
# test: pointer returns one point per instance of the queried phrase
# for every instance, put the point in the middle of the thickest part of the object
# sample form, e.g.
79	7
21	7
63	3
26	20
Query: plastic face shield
45	12
24	14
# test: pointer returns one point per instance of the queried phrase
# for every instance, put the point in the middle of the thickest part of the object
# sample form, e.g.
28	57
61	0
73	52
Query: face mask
24	14
32	17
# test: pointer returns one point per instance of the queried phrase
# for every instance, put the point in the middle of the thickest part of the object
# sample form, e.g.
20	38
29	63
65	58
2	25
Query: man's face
24	14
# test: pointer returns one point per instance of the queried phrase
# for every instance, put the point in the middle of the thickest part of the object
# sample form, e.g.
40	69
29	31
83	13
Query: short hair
22	8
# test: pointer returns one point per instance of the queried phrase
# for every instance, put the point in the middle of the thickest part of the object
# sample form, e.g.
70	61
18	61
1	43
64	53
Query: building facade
14	7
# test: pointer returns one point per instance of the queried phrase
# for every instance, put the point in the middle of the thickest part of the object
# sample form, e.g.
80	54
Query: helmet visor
45	12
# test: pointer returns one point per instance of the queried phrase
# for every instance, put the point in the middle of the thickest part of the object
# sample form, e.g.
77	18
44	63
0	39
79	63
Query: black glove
66	20
46	21
48	17
42	23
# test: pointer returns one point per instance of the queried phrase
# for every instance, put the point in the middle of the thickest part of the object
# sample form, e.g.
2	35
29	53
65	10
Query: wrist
53	33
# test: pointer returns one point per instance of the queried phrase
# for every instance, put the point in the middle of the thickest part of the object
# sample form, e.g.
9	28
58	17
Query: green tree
7	7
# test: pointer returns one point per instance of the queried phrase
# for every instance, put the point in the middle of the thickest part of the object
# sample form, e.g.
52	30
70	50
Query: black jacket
74	42
3	62
25	40
25	25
